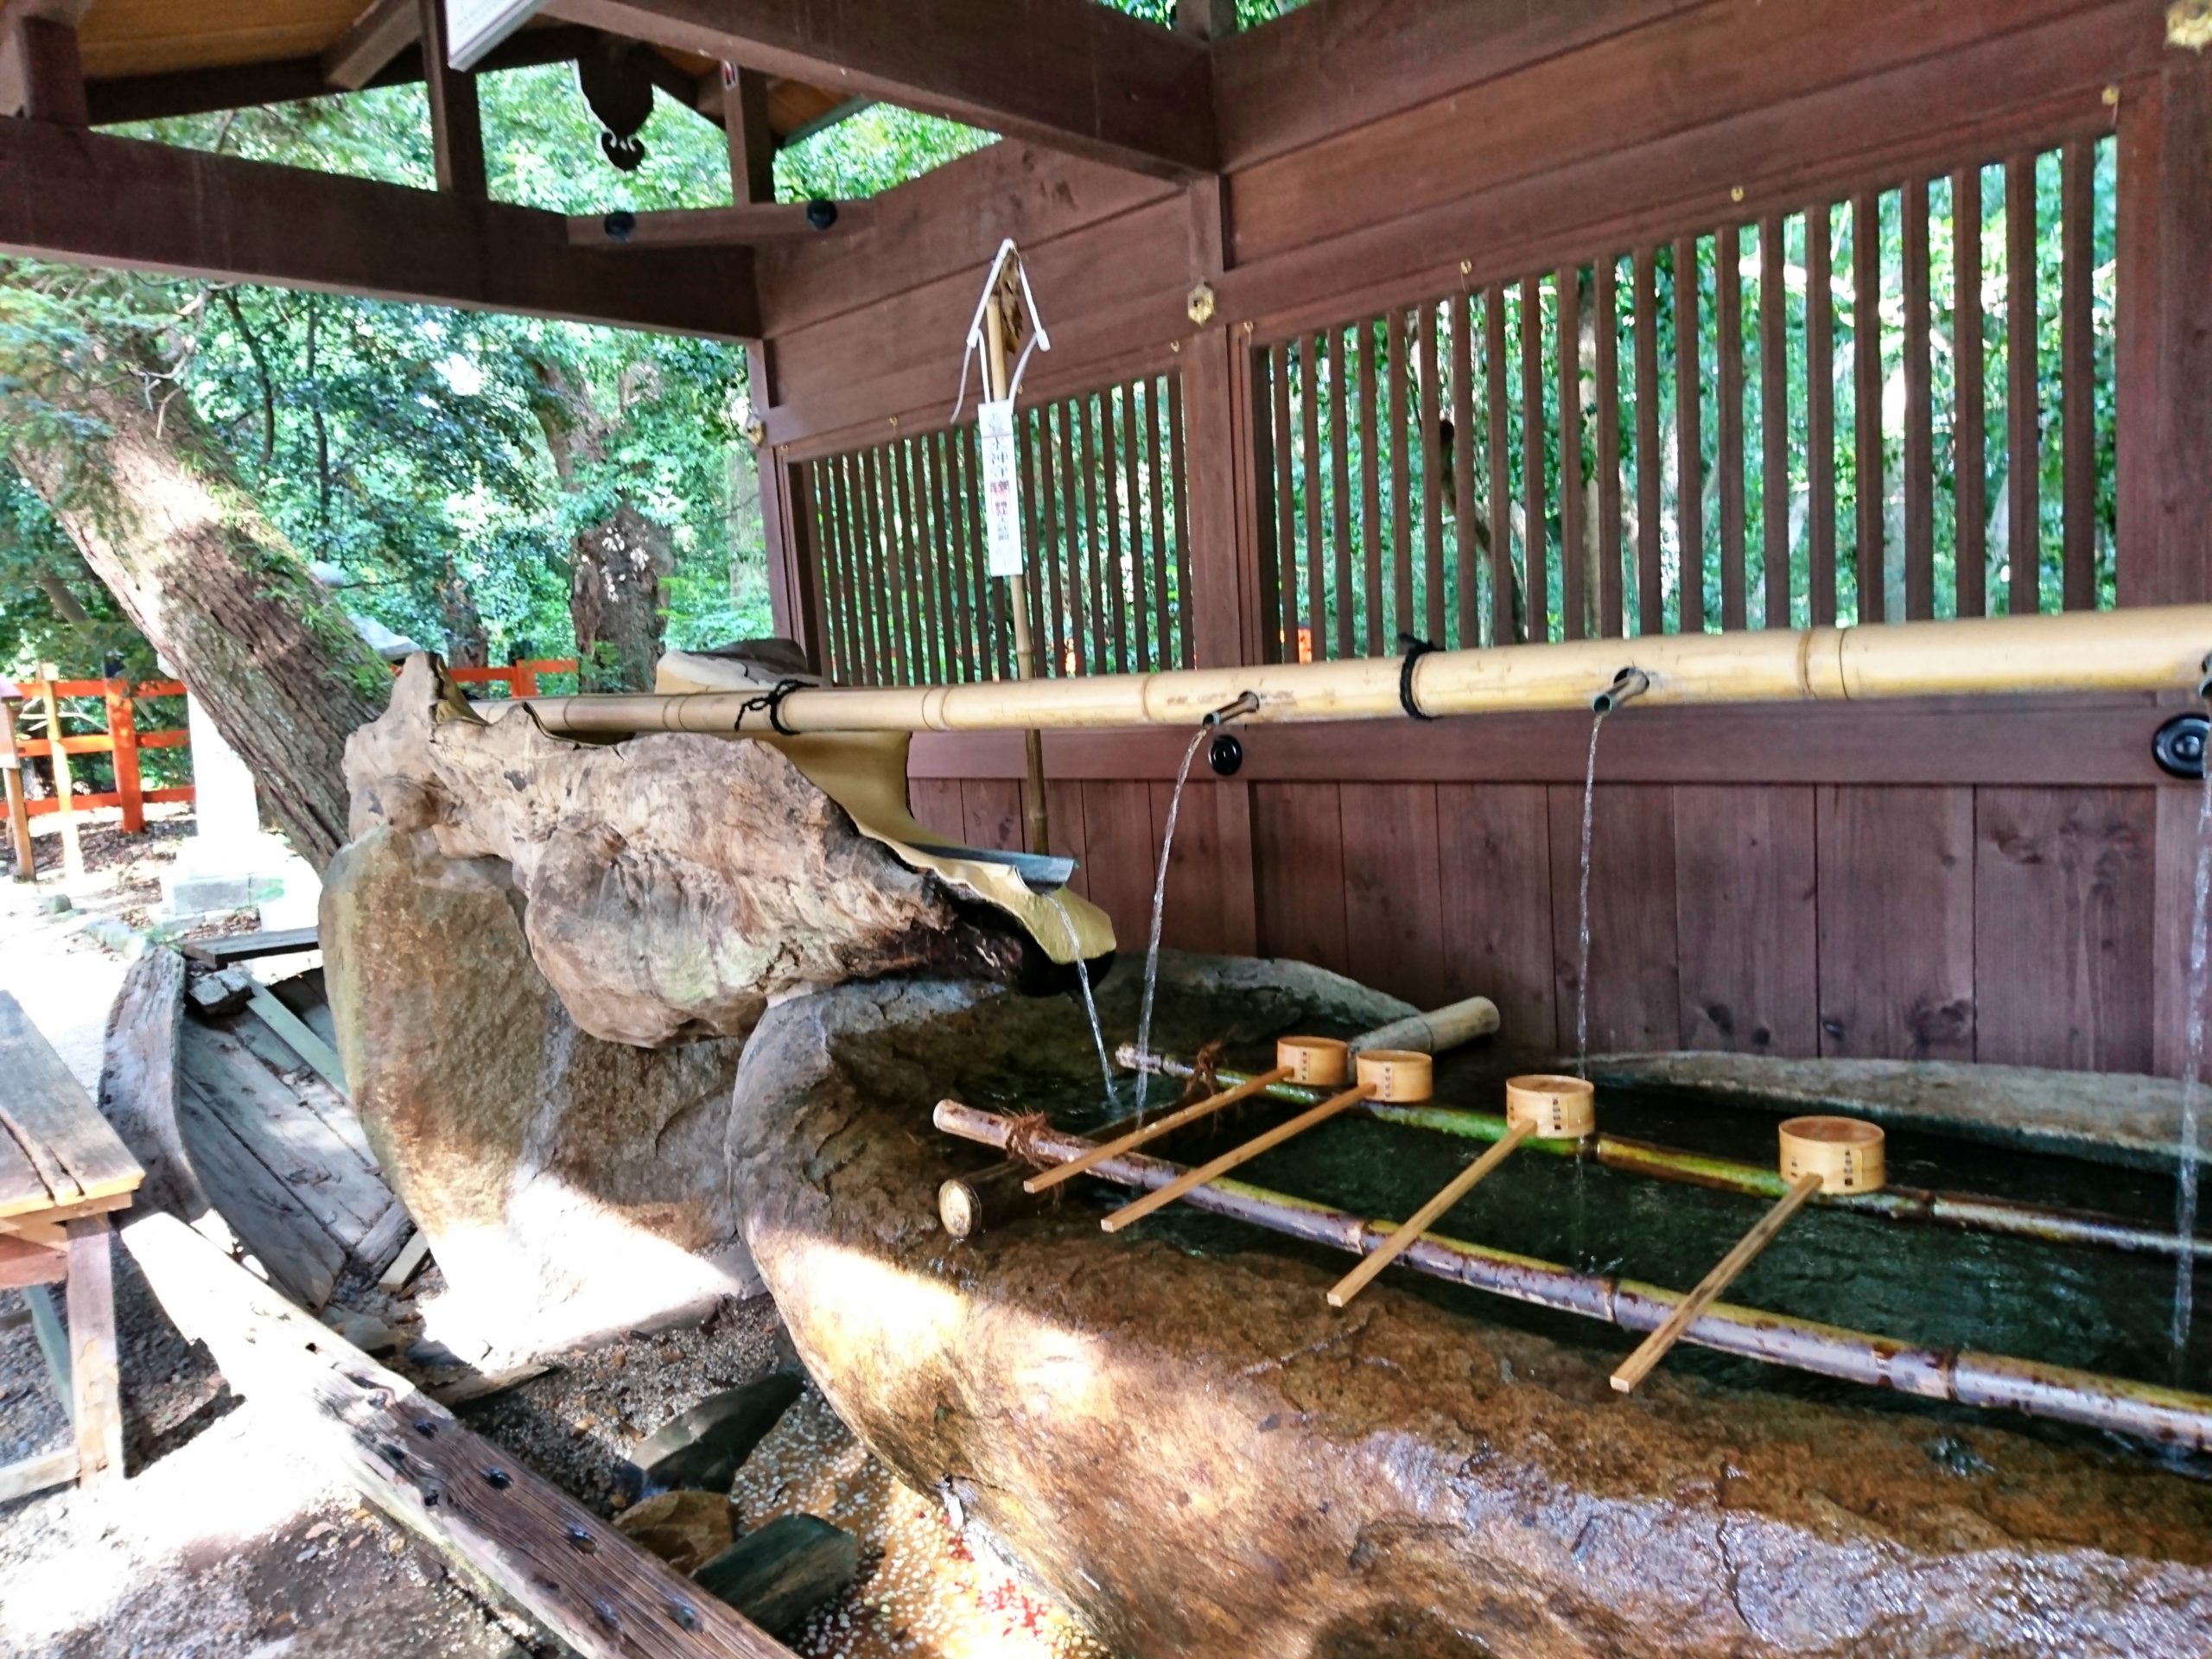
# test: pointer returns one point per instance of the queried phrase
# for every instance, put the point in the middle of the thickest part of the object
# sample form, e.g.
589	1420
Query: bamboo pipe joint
1322	1062
1398	1076
1555	1107
1846	1153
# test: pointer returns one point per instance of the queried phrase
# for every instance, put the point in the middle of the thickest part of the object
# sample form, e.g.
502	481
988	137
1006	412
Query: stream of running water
1582	940
1090	1001
2192	1086
1159	906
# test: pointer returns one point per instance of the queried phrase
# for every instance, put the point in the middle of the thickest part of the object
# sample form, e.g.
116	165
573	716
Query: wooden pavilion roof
149	58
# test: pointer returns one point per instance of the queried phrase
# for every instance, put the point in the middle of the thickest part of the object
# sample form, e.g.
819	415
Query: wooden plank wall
1752	908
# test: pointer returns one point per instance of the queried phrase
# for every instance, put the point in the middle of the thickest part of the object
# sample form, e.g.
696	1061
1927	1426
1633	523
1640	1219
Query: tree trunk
152	504
468	643
614	600
616	563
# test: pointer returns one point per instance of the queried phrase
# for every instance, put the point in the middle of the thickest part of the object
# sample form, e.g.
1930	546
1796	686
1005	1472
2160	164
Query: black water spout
1630	683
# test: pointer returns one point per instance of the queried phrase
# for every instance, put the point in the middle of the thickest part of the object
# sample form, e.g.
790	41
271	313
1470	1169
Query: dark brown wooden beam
289	81
97	199
1070	74
456	119
367	50
709	227
41	74
752	138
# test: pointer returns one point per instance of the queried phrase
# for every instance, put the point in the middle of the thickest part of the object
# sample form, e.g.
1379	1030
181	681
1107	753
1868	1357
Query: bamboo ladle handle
1045	1180
1423	1218
1638	1365
1230	1160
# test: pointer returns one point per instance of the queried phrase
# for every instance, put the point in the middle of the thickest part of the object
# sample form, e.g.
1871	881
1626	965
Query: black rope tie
770	702
1416	648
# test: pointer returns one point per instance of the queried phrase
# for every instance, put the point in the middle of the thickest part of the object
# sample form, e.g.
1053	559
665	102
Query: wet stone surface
1172	1430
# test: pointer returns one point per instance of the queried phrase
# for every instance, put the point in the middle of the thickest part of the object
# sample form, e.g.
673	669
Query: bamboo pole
1183	1184
1965	1212
1424	1218
1045	1180
1637	1366
2116	1405
2148	648
1017	585
1436	1030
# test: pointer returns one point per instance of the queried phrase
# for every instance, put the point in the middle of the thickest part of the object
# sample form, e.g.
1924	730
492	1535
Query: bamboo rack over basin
1968	1211
2149	648
2118	1405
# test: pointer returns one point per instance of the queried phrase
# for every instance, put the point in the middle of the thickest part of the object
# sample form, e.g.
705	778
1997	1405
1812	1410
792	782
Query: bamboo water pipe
1819	1154
1533	1105
1966	1212
2148	648
1990	1381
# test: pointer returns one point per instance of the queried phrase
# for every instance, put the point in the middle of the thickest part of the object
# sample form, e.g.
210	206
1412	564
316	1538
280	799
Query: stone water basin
1175	1435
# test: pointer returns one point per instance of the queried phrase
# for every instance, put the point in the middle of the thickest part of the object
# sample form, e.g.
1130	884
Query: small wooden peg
1424	1218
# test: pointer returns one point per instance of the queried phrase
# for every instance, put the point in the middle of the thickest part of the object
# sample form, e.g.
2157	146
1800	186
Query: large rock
568	1186
1212	1463
670	885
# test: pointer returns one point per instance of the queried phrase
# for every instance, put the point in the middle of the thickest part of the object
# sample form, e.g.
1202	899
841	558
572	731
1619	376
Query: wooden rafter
1070	74
92	199
379	35
707	227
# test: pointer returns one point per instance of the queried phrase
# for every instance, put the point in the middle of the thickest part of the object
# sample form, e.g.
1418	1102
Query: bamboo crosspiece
1298	1059
1424	1218
1550	1106
1833	1155
1384	1074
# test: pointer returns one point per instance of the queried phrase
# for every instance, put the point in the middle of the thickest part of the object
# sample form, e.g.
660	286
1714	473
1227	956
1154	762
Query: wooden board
1298	863
502	1526
1897	923
1122	857
1496	890
1635	987
45	1110
302	1041
329	1179
1394	922
250	947
1746	920
1209	902
2063	909
297	1251
991	814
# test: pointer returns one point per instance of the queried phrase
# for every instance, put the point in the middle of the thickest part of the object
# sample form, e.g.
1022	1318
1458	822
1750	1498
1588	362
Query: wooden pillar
752	141
41	77
2164	357
794	593
19	817
65	789
1217	464
456	123
95	1393
1207	19
123	732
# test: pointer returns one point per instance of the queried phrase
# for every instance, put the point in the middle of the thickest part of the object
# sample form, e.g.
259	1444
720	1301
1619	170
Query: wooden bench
63	1173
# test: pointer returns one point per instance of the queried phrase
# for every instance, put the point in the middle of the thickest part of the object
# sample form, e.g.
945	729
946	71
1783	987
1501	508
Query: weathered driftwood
1968	1211
507	1530
139	1083
779	1575
2166	1416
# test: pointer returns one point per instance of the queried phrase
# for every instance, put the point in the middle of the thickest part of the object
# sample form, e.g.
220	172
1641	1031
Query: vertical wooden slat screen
1467	545
1820	418
2077	229
1919	414
1728	305
1535	493
1773	419
1650	471
1970	511
2023	393
1340	500
1869	499
907	591
1574	552
1606	303
1505	626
